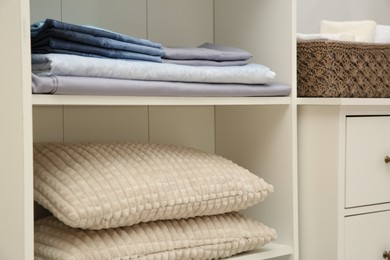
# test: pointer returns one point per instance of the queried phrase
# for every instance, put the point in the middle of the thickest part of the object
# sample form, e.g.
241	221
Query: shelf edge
344	101
158	101
268	251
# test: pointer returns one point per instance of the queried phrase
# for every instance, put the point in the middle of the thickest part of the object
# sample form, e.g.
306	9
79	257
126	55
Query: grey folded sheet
207	51
207	54
206	62
68	85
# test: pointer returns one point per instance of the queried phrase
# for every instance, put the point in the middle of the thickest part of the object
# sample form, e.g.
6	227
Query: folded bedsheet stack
83	60
52	36
143	201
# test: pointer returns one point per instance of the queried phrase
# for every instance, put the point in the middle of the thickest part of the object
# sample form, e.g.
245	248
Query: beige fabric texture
106	185
207	237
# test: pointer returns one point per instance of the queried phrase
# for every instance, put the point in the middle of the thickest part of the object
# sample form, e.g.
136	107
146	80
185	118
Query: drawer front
367	179
367	236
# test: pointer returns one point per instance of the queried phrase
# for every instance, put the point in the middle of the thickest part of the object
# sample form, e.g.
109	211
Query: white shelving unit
342	146
329	142
258	133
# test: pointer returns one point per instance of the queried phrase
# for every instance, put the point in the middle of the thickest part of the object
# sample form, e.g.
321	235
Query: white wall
311	12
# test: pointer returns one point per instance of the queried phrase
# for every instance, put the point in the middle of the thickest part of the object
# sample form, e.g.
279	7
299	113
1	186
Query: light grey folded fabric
68	85
73	65
207	51
206	62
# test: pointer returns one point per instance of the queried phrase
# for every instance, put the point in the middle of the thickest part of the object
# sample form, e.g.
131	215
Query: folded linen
334	37
45	38
39	28
363	30
72	65
54	36
207	51
207	54
67	85
206	62
55	45
382	34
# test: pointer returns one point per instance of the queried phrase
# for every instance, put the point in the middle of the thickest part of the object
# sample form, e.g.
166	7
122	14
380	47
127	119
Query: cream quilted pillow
207	237
109	185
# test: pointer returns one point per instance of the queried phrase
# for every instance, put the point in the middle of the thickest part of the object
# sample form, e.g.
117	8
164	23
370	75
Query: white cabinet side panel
123	16
185	23
16	193
93	124
187	126
318	130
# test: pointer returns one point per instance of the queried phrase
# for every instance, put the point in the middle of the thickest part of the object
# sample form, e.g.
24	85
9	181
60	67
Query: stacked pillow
140	200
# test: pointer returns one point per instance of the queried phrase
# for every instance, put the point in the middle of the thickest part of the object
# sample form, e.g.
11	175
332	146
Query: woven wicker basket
343	69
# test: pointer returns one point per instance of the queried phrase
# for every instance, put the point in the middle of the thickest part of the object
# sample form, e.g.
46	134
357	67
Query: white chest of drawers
344	181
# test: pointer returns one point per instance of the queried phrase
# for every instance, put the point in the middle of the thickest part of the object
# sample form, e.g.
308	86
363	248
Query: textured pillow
109	185
207	237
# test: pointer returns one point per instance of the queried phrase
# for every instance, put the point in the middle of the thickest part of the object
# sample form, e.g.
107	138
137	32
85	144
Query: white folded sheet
334	36
363	31
382	34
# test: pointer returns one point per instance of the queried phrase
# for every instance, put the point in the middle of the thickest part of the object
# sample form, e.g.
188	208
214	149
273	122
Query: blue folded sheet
55	45
59	37
41	27
94	41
